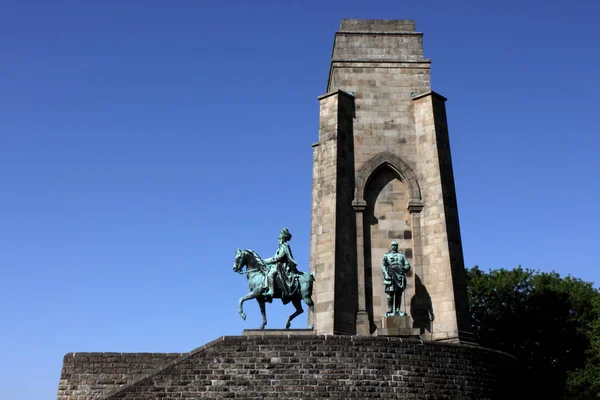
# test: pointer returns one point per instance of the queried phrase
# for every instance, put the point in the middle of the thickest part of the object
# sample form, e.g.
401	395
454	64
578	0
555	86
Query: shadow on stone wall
346	278
421	309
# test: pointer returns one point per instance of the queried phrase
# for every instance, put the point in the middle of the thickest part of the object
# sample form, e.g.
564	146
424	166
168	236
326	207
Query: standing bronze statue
276	277
394	267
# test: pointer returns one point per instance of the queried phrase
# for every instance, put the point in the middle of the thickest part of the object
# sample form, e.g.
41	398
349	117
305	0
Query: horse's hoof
287	326
311	327
243	315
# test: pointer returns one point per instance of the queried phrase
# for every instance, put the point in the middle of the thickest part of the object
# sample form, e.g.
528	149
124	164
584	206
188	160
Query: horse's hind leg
263	311
296	302
249	296
311	305
306	292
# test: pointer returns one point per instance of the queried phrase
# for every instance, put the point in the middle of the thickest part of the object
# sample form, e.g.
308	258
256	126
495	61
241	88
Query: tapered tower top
377	25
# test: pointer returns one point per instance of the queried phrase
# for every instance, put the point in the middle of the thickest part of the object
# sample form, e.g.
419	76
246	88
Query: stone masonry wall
457	263
323	214
333	243
317	367
377	25
87	376
380	41
443	275
384	123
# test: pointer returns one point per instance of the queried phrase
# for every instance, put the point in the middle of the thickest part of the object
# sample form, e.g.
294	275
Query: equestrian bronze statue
276	277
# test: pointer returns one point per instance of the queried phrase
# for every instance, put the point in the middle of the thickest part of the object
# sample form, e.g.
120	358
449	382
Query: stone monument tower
382	178
382	172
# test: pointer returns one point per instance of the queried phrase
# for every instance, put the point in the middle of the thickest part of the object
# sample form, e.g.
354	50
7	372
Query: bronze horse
256	270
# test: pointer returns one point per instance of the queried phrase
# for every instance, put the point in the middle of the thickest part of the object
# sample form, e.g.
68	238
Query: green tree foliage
584	383
550	324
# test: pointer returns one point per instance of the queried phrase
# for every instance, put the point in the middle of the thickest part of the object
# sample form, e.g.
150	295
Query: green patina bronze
282	265
275	277
394	267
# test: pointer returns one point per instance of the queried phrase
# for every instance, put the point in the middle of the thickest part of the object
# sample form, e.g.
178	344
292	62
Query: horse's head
240	261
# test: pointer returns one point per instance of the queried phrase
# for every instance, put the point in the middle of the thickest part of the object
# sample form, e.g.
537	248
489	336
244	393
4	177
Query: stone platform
295	367
277	332
398	326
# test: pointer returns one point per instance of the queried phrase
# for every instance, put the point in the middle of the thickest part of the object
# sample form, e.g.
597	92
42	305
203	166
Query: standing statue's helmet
394	243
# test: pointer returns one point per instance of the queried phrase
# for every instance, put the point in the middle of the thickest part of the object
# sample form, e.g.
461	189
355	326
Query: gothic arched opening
386	219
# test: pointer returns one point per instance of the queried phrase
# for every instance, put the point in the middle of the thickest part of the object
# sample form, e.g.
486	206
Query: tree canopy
551	324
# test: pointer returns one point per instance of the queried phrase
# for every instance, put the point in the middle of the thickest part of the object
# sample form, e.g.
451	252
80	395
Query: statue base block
277	332
397	326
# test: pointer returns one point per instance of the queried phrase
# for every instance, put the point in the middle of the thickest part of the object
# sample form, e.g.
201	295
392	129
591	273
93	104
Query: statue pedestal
278	332
397	326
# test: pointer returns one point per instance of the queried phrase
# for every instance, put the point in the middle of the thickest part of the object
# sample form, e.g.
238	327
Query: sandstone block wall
442	263
90	375
318	367
333	254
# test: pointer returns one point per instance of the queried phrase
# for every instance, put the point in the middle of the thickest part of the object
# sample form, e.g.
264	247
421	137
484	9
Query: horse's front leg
263	311
249	296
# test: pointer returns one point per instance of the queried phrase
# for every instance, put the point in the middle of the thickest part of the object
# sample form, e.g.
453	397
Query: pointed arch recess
405	173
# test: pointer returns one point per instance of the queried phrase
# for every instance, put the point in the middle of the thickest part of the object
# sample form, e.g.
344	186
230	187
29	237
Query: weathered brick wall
87	376
317	367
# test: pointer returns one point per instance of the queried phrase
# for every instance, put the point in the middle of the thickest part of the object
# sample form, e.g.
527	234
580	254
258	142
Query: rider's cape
287	273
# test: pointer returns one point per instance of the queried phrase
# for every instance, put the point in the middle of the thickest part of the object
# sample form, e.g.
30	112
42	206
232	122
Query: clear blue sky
141	142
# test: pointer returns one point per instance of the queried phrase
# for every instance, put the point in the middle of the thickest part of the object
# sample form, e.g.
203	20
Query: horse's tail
313	276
